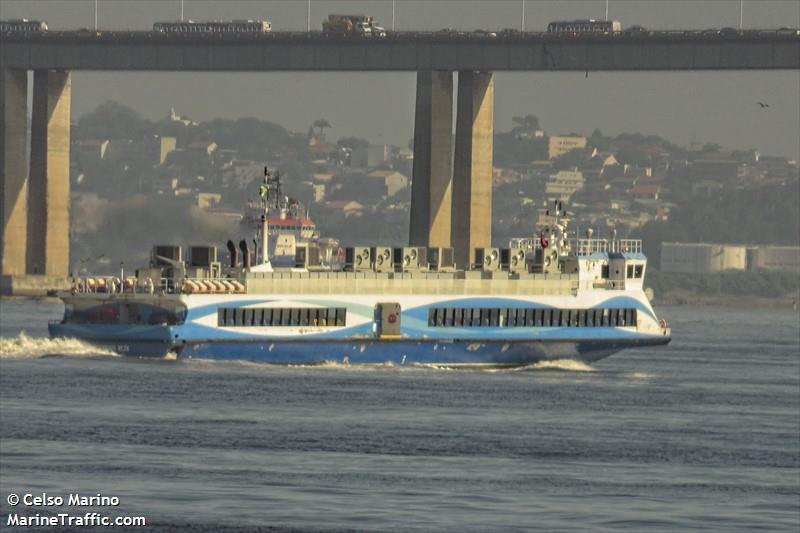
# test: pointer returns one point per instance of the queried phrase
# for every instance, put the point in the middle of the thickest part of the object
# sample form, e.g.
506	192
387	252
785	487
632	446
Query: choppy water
702	434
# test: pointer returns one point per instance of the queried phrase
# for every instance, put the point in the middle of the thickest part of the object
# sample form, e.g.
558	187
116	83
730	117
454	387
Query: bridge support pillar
431	175
13	170
48	203
472	166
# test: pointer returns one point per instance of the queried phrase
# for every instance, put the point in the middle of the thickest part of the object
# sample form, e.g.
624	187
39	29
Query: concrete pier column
472	166
13	170
48	198
432	172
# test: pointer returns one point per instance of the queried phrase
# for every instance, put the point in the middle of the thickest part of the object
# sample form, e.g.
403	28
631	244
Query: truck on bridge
360	25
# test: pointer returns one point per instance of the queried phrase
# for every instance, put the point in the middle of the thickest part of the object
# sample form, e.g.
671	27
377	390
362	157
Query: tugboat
555	296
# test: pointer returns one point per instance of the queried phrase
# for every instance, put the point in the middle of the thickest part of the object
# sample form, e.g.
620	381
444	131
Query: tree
322	124
527	123
112	120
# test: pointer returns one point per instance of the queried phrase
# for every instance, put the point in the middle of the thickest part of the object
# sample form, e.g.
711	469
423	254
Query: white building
698	257
563	184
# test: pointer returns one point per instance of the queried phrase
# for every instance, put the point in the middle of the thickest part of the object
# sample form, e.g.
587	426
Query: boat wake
570	365
24	347
563	365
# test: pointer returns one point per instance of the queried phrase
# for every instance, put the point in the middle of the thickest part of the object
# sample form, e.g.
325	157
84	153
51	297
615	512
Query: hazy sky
682	106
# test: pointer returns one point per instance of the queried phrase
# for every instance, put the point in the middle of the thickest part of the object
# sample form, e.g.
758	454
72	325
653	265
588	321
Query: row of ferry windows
528	317
281	317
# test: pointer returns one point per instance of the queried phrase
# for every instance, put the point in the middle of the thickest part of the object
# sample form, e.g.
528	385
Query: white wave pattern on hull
24	347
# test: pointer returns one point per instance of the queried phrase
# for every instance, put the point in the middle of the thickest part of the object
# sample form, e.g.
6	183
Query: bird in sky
762	105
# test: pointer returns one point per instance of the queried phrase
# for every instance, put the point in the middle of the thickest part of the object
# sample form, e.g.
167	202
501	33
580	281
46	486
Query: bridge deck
409	51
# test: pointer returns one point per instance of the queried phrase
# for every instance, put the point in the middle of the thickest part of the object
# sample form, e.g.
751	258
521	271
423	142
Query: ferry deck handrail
585	246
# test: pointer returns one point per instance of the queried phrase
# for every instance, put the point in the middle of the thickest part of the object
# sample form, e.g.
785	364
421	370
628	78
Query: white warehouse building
698	257
774	258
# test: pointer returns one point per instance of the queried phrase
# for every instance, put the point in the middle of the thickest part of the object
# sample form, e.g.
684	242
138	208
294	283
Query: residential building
370	156
393	180
561	144
563	184
166	145
206	200
722	170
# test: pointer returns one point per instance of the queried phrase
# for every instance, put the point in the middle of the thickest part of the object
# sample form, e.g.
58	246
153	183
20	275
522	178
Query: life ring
391	318
543	241
663	324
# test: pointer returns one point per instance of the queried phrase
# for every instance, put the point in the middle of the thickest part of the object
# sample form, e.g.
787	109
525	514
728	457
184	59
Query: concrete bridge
35	193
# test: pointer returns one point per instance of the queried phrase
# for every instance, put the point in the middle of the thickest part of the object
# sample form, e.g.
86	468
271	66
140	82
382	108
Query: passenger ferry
555	296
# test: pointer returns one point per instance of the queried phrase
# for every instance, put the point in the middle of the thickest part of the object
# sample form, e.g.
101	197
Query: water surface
701	434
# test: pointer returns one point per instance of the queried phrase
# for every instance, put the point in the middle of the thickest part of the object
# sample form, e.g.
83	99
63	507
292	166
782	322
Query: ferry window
537	317
340	316
295	320
448	316
630	271
322	315
638	271
502	319
582	318
458	316
529	317
604	272
630	317
304	316
494	321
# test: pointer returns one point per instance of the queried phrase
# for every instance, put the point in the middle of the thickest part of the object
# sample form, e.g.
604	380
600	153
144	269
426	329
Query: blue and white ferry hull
232	327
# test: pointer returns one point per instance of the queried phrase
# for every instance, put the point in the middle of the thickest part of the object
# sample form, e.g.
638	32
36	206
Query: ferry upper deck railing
585	246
